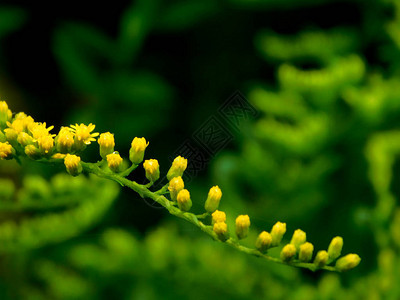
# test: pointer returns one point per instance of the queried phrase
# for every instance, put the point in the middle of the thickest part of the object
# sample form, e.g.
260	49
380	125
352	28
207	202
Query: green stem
144	192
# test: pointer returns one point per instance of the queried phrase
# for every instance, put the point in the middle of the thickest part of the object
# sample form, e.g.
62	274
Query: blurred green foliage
321	156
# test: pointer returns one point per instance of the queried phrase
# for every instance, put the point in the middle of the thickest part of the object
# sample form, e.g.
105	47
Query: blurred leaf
10	19
81	51
135	25
185	14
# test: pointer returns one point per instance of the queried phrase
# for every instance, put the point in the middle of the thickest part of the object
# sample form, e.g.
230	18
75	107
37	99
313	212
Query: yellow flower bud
321	258
4	113
277	232
221	230
306	252
114	161
58	156
263	241
298	238
32	152
73	164
136	153
214	196
11	134
45	143
242	226
107	143
288	252
152	169
347	262
178	167
335	248
65	140
176	184
6	151
184	201
218	216
24	139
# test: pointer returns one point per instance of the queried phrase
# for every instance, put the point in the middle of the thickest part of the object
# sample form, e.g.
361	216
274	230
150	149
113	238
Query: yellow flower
178	167
107	143
277	232
321	258
24	139
17	125
288	252
114	161
45	143
38	129
221	230
348	262
218	216
263	241
298	238
83	135
26	120
335	248
32	152
136	153
184	201
11	134
73	164
176	184
6	150
65	140
58	156
306	252
5	113
213	199
152	169
242	226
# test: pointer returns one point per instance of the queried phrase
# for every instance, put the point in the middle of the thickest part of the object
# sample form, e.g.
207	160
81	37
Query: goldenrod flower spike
107	144
152	169
114	161
213	199
321	258
184	201
306	252
277	232
288	252
347	262
83	135
6	151
65	140
179	165
221	230
263	241
73	164
242	226
218	216
335	248
138	147
298	238
176	184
